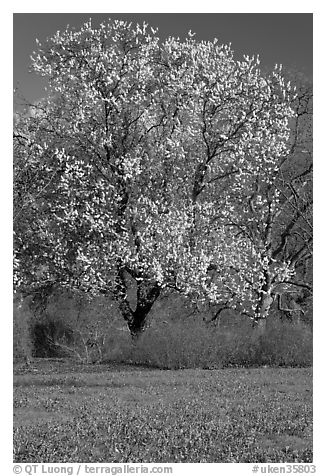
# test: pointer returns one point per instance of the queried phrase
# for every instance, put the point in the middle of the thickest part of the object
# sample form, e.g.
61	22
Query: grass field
65	412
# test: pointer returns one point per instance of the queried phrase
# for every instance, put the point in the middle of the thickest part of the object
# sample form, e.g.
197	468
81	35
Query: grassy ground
65	412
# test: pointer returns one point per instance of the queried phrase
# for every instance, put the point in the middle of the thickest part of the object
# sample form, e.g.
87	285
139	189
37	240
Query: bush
72	324
22	339
91	330
51	338
195	344
286	344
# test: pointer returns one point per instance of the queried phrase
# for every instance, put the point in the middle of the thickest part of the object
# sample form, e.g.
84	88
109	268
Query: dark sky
278	37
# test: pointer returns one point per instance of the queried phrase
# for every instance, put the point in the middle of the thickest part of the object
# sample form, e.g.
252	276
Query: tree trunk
137	325
146	297
147	293
263	306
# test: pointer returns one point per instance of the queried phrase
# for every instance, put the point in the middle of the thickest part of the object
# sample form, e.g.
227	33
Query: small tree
138	164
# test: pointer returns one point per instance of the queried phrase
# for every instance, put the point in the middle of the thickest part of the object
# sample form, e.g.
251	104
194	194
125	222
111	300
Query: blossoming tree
142	164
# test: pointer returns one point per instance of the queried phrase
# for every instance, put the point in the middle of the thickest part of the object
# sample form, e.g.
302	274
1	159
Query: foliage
22	322
195	344
73	325
92	331
140	165
284	233
193	416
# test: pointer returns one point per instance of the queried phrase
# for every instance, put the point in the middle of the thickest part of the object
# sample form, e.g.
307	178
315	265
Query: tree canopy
158	162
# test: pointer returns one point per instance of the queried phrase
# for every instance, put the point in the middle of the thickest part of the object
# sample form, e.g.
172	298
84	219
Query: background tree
142	165
277	218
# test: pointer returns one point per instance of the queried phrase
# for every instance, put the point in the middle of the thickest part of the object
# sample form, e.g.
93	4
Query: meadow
70	412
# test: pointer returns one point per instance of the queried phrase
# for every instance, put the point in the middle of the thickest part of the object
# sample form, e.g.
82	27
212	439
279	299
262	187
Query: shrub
51	338
92	331
22	339
72	324
196	344
286	344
